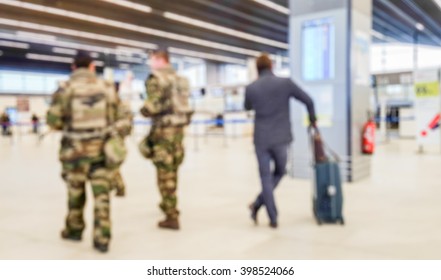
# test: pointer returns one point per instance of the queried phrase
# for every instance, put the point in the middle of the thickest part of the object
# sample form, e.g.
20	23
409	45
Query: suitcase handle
313	131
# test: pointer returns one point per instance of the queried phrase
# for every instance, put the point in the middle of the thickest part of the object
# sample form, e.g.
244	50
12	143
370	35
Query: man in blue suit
269	96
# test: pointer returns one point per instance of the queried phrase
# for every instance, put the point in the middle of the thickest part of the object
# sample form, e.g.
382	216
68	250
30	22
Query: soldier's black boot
65	234
169	223
103	248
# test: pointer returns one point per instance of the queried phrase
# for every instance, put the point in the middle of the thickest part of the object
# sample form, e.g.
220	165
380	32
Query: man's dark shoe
274	225
253	213
169	223
69	236
103	248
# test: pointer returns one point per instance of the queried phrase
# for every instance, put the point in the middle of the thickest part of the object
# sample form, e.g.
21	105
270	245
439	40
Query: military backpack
175	88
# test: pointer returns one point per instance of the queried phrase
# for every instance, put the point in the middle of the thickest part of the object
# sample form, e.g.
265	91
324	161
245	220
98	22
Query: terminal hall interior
371	67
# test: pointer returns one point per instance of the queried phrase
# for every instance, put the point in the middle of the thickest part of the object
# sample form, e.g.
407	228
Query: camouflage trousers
76	179
117	183
168	154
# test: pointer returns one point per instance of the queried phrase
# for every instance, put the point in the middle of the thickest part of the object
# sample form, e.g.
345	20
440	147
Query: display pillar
329	50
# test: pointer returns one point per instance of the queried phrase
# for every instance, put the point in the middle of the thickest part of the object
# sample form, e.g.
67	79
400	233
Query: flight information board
318	49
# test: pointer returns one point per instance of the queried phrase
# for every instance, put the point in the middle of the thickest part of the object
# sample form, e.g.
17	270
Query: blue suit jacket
269	97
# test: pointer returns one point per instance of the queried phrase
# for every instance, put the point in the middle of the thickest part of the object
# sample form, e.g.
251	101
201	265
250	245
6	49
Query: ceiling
398	20
225	31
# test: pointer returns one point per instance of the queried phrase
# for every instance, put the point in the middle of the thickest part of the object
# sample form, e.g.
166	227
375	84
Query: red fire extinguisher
368	141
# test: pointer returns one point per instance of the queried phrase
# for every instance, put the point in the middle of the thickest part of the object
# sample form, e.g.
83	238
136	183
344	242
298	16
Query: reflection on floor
396	214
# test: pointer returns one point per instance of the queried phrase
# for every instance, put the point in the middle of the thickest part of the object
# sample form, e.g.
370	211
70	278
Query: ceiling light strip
225	30
130	59
36	39
274	6
129	50
206	56
71	45
60	59
130	27
202	24
131	5
90	48
51	58
14	45
35	35
64	51
75	33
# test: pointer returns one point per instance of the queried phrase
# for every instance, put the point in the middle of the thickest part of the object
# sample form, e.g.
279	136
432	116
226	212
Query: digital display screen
318	49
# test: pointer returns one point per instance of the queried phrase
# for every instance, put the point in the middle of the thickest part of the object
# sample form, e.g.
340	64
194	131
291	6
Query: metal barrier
394	119
18	133
196	136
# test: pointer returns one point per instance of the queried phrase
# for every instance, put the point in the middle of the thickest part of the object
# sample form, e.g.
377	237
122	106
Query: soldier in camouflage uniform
167	105
86	110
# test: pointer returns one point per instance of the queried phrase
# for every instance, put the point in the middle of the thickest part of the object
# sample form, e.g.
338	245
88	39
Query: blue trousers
270	177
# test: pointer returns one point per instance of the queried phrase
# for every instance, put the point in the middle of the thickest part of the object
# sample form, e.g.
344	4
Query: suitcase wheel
342	221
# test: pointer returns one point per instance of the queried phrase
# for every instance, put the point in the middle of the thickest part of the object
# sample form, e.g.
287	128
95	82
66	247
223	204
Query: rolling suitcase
327	194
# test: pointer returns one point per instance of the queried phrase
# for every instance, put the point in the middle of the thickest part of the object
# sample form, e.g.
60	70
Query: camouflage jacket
167	99
119	117
76	146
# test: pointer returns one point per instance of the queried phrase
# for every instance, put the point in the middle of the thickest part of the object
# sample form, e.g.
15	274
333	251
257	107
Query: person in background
269	96
85	109
167	105
5	122
35	123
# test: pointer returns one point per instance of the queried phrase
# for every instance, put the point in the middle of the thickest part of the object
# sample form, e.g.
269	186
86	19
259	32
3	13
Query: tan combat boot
169	223
120	192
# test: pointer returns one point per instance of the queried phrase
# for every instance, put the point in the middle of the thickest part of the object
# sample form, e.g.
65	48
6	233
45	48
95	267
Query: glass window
196	74
232	74
11	82
53	81
29	82
34	83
